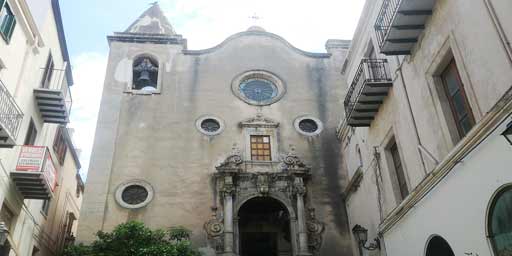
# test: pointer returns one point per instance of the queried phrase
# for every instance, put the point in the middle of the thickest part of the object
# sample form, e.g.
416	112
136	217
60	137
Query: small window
260	148
7	21
500	223
31	136
145	74
399	170
134	194
59	145
46	207
456	95
48	72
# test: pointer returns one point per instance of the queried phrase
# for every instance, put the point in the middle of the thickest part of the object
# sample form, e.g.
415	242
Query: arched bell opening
264	228
145	73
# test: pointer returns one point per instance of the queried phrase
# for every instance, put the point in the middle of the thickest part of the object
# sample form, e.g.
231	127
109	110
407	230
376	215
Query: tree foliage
134	239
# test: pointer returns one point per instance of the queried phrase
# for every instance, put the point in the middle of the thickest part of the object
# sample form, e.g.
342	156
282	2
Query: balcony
367	92
54	97
35	175
10	118
400	24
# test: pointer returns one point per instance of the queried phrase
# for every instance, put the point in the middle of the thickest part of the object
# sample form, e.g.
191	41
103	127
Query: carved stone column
228	216
300	190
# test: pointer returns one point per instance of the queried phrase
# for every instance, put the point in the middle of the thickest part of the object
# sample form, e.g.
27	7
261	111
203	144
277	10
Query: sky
204	23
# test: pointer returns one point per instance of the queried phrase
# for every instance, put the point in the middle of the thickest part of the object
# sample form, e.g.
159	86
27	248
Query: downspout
409	108
505	42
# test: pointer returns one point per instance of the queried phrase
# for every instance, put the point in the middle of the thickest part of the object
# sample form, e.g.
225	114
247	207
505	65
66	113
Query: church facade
236	142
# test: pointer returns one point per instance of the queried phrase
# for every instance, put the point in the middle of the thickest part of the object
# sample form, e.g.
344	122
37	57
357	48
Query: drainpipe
409	108
505	42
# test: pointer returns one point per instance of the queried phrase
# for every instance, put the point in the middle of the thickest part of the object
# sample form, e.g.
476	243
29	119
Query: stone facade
450	179
158	135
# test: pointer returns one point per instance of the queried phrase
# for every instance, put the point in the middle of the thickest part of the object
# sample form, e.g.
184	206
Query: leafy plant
135	239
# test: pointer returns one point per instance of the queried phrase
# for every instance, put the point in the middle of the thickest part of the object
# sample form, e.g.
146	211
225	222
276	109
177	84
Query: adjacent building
426	132
235	142
40	189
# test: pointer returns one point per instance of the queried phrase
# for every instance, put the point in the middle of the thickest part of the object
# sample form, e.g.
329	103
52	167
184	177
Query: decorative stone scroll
214	229
315	231
232	163
292	163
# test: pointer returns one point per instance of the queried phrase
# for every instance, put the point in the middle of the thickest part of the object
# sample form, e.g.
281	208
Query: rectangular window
59	145
456	95
260	148
399	170
46	207
7	21
48	72
30	139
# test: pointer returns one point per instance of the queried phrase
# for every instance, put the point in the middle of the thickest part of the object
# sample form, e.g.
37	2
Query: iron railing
369	71
10	114
385	19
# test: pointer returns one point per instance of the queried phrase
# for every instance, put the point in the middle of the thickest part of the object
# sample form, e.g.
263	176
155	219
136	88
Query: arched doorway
500	222
264	228
437	246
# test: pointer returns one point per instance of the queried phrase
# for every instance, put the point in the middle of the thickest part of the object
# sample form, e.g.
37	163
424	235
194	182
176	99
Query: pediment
259	122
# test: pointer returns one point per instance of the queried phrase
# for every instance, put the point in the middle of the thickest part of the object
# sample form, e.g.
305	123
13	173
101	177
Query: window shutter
11	28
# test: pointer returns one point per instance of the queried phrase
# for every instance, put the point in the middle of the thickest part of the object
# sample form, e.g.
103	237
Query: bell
145	68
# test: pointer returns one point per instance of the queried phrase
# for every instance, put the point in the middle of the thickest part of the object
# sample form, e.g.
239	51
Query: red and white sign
37	159
31	158
49	171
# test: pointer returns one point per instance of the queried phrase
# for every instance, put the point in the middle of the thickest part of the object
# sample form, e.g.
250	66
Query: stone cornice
257	33
501	110
147	38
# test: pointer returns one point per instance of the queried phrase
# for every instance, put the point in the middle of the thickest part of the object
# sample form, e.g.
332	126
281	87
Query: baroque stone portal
263	212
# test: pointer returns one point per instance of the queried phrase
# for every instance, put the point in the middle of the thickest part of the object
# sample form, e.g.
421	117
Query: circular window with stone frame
134	194
308	126
258	87
210	125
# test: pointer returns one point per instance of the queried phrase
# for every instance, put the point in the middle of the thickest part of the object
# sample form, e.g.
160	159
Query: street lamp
4	232
508	133
361	234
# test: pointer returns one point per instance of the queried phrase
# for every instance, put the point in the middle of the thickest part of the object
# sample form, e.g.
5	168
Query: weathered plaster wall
154	137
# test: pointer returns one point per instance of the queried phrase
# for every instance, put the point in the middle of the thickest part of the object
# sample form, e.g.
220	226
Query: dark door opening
439	247
264	228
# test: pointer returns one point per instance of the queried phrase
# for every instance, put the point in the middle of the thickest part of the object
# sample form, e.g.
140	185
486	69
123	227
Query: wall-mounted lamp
508	133
4	232
361	234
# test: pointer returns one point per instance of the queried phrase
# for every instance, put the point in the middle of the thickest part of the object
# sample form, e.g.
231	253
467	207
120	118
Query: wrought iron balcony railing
400	23
367	92
10	118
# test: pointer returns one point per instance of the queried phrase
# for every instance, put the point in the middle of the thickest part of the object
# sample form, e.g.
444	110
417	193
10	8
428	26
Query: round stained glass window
259	90
308	125
134	194
210	125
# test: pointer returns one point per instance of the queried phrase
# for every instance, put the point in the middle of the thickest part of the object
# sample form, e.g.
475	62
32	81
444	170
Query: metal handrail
57	82
10	113
385	19
369	71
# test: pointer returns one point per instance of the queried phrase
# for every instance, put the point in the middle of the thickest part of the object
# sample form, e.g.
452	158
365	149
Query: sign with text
38	159
49	171
31	158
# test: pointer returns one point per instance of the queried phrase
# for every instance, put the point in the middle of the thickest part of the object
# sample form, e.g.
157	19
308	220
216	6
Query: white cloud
89	73
206	23
306	24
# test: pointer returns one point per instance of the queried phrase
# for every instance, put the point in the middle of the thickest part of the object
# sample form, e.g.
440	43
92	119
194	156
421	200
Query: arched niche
438	246
145	71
